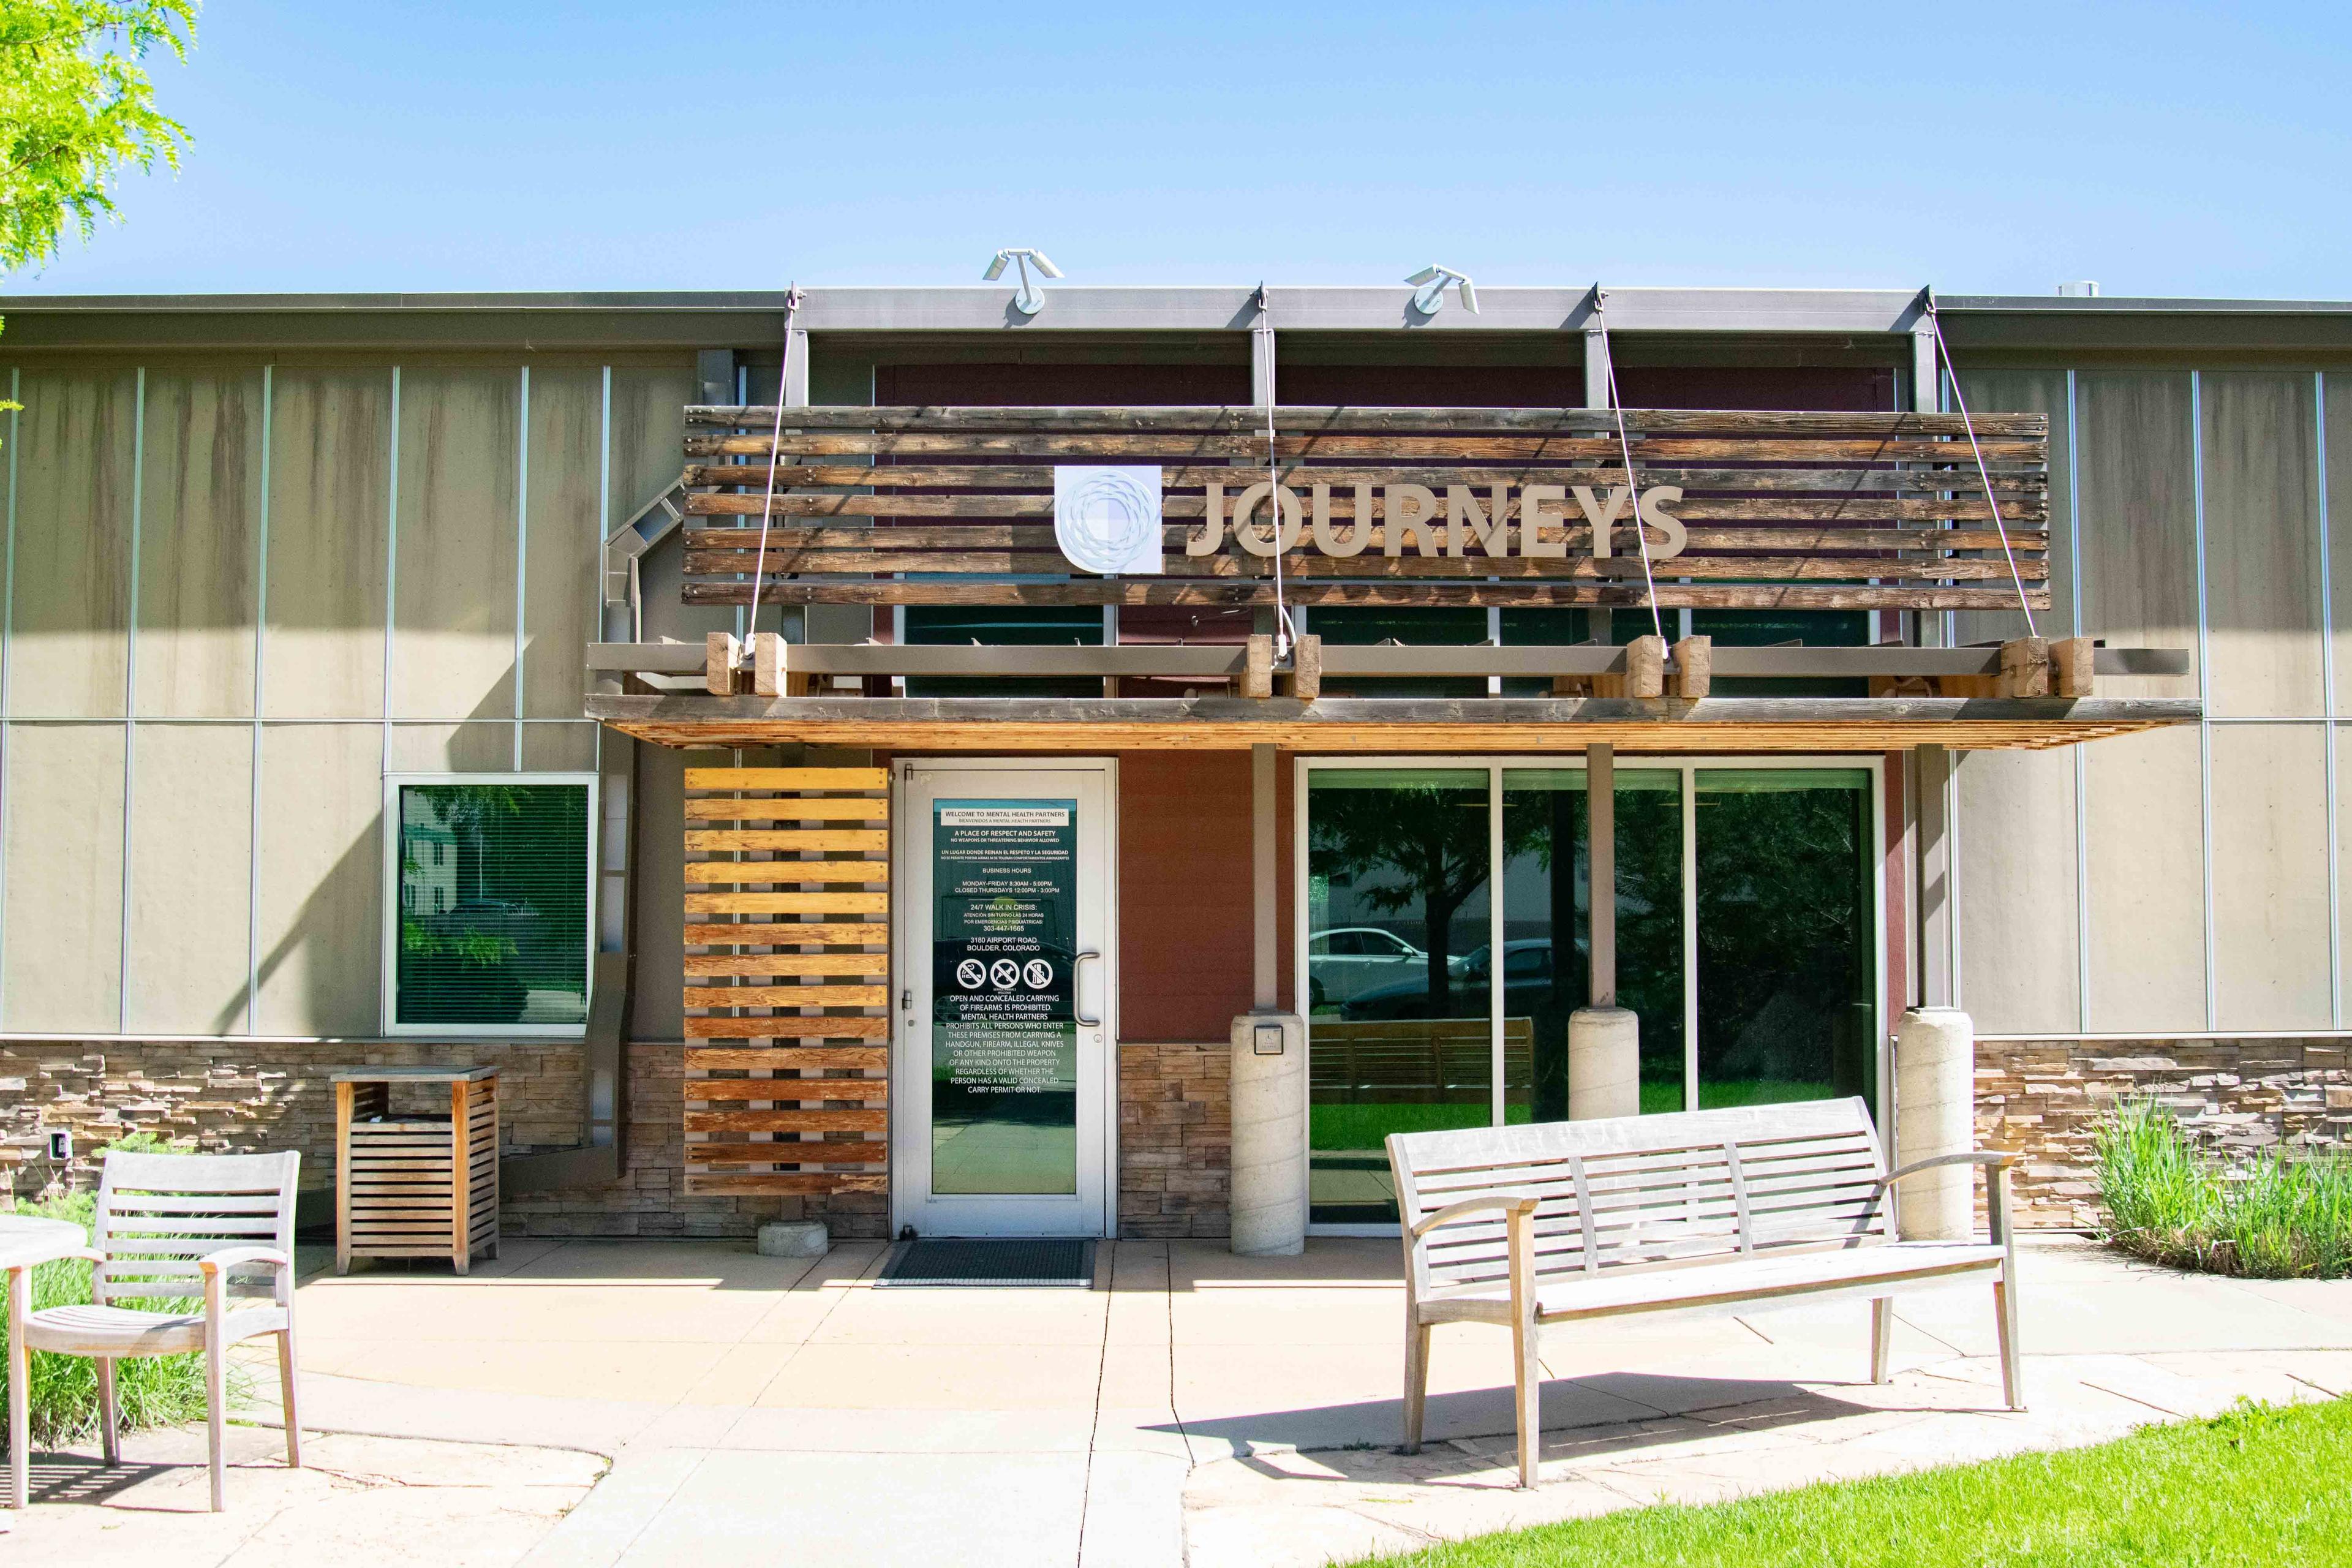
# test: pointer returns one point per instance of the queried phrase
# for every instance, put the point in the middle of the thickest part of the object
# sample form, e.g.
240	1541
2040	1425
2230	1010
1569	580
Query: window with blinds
490	932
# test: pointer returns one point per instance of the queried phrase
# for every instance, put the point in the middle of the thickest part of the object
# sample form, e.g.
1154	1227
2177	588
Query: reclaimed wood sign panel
787	980
1358	505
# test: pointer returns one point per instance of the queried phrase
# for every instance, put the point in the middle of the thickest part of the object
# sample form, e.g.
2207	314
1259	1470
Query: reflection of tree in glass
1407	844
516	911
1553	825
1784	929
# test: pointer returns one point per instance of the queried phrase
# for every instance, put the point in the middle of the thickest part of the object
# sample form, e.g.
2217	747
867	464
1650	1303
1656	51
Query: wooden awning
1486	725
1737	508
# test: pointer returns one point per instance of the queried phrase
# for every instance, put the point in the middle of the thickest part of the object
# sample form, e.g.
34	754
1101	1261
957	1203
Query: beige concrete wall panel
2030	391
2139	548
2339	397
191	830
649	455
2148	894
2261	542
199	547
330	495
559	748
454	599
659	1010
2018	947
70	650
483	747
2270	876
321	872
560	588
65	877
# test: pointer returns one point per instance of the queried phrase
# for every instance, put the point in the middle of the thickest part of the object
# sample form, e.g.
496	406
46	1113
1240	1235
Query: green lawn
2259	1486
1364	1126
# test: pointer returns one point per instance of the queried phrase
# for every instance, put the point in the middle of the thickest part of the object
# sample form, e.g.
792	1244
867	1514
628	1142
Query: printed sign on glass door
1004	1072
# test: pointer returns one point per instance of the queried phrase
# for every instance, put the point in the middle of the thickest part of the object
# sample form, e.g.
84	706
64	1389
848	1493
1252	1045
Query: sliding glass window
1399	1023
1547	924
1787	966
1748	944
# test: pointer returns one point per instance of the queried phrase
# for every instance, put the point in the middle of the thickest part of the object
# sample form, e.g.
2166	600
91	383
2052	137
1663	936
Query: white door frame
911	1063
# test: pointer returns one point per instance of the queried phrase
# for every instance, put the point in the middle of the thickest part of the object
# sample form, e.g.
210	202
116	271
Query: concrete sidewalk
1203	1409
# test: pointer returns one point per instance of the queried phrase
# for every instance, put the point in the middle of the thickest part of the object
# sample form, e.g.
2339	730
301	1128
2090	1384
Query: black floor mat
1018	1262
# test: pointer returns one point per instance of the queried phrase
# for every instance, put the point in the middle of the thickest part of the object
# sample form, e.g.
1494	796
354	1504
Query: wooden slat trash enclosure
421	1184
787	980
1738	509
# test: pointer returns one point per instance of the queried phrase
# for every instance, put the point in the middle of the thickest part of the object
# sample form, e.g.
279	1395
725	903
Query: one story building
406	678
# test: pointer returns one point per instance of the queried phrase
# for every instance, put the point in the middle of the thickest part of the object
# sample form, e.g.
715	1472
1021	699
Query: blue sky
2162	150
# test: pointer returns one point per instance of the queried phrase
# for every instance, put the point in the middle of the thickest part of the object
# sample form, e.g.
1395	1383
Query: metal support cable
1625	447
775	436
1284	636
1984	476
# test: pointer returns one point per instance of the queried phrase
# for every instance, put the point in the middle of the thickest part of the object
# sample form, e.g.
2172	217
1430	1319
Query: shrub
2274	1216
149	1391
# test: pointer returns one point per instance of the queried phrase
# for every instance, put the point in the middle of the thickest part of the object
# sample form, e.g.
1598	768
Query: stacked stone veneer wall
1175	1141
2044	1099
239	1096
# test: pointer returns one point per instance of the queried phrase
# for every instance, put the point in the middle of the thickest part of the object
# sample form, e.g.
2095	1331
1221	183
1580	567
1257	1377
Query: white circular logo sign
1107	520
1038	973
1004	974
970	972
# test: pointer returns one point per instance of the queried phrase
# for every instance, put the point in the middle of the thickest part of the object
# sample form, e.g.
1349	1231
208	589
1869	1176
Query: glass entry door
1003	1113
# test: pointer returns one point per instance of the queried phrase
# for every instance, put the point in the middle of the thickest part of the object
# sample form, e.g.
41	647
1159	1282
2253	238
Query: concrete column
1269	1096
1604	1063
1935	1113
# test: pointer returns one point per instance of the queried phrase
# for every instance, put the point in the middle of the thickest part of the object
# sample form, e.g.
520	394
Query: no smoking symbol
970	974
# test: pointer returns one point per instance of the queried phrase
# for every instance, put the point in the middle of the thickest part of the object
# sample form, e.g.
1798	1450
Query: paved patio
1199	1408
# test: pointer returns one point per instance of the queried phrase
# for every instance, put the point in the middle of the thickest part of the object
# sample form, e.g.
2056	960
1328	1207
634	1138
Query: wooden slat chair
1563	1222
179	1228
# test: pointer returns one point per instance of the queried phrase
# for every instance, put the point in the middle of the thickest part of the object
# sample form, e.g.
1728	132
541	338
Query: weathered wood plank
1337	418
845	841
1528	447
832	965
782	1183
787	995
738	1091
827	903
788	778
757	873
782	567
1400	591
844	1121
787	1028
789	933
842	1058
909	493
753	808
1343	479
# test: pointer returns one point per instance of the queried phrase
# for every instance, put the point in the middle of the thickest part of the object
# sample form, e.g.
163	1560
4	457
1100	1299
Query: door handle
1075	968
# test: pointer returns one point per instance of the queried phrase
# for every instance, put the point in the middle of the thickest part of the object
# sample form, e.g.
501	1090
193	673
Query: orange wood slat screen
787	980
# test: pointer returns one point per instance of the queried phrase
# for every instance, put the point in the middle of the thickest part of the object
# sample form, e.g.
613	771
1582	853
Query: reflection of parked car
1347	960
1527	986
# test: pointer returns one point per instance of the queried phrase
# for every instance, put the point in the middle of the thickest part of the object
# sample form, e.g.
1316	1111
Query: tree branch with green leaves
77	112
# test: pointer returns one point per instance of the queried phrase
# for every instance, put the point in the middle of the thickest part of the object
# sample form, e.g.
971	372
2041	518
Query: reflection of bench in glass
1417	1061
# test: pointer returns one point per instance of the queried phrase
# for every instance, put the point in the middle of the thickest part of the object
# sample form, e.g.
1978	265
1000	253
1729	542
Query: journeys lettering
1452	528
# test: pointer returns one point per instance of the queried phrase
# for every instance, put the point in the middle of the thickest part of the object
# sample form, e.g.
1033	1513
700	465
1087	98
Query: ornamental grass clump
149	1391
2273	1216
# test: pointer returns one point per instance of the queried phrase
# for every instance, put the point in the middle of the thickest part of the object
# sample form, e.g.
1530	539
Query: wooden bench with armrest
1533	1226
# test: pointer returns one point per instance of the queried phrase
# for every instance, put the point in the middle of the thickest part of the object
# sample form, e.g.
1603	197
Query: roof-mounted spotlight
1429	292
1027	299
